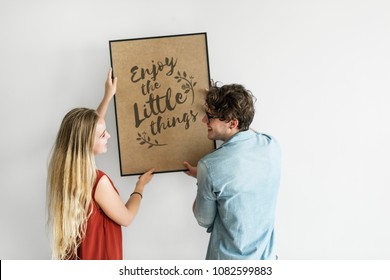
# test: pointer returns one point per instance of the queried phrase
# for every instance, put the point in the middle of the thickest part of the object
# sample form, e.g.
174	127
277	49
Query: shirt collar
239	136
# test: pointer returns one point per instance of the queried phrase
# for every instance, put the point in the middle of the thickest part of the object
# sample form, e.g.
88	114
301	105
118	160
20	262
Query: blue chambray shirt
236	199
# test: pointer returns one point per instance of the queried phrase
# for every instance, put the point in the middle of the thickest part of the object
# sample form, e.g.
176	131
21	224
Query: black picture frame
159	101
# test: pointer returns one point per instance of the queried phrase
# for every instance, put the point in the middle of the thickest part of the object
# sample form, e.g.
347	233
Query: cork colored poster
159	103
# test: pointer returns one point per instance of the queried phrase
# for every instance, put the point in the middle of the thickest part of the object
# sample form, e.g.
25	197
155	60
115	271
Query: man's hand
192	170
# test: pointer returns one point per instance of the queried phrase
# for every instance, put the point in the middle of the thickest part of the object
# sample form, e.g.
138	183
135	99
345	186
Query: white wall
320	71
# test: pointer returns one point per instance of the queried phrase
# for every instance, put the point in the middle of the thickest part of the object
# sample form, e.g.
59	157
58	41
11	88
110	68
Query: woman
85	210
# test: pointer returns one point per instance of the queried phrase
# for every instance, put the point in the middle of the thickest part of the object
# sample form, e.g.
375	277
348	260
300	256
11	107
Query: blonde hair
71	176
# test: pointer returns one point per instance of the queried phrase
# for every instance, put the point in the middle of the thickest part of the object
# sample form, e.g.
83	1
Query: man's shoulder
265	139
212	155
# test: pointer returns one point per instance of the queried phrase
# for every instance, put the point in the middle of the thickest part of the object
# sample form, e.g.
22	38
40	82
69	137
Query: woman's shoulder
103	179
100	173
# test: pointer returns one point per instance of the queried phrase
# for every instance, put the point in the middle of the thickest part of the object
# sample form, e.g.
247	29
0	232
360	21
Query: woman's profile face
101	137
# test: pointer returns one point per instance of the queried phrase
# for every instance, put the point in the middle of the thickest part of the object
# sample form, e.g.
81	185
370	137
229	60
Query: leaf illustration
188	85
145	139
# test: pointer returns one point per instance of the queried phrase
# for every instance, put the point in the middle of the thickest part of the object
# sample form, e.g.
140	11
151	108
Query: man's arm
205	204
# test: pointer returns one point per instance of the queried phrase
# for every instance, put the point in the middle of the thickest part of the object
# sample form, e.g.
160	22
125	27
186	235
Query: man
238	182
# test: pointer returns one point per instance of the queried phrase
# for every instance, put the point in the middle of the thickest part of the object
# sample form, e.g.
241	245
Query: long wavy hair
71	176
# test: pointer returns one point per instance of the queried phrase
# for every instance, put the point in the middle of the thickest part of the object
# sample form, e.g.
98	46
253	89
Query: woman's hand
145	178
109	92
110	85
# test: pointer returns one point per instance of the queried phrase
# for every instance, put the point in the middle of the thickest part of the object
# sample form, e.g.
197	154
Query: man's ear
233	124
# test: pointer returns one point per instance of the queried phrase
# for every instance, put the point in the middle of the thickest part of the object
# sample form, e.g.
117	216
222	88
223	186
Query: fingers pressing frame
192	171
146	177
110	76
110	79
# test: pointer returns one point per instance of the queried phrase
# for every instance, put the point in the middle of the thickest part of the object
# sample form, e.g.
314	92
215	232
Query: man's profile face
217	129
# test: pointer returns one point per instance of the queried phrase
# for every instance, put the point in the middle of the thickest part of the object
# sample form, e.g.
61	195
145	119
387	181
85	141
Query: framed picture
159	103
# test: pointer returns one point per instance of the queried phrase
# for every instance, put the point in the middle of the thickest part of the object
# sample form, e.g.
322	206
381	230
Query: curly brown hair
230	102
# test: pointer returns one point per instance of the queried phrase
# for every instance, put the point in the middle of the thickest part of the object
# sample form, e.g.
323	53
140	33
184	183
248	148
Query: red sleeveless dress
103	238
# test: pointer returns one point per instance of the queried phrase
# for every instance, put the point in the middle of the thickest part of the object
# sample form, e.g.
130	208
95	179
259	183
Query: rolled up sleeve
206	202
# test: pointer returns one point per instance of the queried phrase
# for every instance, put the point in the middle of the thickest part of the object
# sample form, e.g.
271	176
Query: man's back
238	185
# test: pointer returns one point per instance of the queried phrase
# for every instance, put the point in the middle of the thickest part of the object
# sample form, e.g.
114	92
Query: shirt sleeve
206	201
